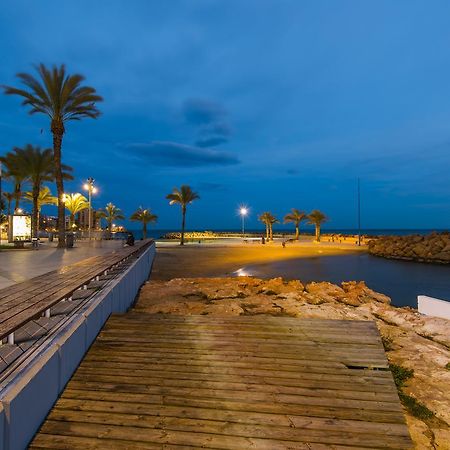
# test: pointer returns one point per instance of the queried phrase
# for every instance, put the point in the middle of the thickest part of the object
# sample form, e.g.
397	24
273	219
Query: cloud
210	118
173	154
202	112
211	141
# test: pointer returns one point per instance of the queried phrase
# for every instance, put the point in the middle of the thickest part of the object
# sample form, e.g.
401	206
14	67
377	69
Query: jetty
154	381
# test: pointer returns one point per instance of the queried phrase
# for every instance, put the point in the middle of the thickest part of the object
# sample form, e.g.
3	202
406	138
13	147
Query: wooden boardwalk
172	382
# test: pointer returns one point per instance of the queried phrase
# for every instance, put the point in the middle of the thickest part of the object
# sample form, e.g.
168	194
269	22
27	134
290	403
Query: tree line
63	97
315	217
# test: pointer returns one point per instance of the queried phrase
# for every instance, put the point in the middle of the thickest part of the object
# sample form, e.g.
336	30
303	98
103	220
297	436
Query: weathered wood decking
23	301
153	381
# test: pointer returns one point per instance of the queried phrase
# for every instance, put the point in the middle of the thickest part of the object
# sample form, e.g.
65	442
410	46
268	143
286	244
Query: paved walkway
278	383
20	265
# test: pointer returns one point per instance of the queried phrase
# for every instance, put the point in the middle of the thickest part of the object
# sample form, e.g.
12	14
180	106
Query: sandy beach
222	258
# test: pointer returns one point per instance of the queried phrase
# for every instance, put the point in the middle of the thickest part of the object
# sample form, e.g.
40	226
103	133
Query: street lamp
243	211
89	186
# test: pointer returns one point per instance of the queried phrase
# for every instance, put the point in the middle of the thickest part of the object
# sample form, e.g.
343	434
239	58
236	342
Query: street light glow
243	211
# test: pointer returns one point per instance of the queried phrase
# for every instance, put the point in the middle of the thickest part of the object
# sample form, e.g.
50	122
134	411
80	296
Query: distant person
263	241
283	244
130	240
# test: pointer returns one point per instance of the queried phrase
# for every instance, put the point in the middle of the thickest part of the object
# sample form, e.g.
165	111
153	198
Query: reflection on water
403	281
242	272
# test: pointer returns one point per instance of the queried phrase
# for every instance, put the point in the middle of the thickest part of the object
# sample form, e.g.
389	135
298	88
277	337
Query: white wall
29	393
433	307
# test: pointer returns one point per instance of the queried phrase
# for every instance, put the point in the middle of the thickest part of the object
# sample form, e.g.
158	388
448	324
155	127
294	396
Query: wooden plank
21	308
227	429
164	436
222	384
256	418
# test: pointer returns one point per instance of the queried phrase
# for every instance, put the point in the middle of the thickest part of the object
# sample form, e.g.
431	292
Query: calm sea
155	233
403	281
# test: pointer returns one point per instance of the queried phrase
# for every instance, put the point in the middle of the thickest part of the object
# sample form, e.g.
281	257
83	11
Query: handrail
21	311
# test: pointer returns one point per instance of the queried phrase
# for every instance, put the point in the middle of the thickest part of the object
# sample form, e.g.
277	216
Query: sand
210	260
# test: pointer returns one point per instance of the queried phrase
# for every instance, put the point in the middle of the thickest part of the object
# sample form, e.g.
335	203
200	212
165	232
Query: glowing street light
243	211
89	186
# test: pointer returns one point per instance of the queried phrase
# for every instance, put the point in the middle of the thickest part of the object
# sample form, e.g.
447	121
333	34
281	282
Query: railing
23	302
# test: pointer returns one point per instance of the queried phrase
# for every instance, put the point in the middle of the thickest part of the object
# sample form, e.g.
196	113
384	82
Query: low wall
433	307
29	393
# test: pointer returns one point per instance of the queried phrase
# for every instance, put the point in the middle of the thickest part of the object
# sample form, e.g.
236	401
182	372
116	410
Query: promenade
21	265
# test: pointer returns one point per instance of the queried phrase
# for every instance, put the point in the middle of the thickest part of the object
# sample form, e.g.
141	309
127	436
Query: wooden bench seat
24	301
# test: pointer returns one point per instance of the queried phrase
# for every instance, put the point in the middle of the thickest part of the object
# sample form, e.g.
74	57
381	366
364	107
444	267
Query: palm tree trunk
267	232
183	223
58	131
17	195
297	232
71	220
9	207
271	232
144	230
35	219
317	232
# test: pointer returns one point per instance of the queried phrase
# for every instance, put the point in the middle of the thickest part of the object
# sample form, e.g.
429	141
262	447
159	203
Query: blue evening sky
275	104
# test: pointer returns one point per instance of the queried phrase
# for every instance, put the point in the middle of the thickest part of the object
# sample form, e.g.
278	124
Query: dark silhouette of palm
145	216
295	216
110	213
316	218
38	166
268	219
61	97
183	197
9	197
14	172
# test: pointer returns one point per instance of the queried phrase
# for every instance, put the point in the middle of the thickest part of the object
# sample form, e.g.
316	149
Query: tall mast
359	213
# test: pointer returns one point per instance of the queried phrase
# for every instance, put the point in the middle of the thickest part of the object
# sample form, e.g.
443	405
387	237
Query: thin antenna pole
359	213
1	209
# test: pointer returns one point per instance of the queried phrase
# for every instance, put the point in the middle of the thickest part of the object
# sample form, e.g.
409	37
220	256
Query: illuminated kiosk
19	229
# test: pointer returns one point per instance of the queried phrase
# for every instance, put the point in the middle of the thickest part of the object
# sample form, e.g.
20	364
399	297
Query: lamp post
89	186
243	212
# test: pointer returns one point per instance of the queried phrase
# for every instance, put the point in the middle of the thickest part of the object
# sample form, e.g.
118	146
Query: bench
25	301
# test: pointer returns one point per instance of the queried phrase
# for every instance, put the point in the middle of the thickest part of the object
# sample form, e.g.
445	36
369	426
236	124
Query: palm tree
14	171
316	218
268	219
75	203
45	197
9	197
145	216
110	214
38	166
183	197
61	97
295	216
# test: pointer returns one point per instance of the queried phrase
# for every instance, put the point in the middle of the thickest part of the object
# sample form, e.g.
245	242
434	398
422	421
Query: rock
432	248
412	340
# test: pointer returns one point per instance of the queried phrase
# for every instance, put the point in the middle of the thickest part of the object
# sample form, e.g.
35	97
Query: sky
273	104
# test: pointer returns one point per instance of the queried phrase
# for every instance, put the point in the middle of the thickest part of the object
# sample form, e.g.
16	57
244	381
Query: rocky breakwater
417	347
434	248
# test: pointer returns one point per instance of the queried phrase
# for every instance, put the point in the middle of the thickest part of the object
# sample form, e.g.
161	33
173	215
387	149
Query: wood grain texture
164	382
25	301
